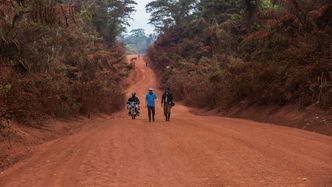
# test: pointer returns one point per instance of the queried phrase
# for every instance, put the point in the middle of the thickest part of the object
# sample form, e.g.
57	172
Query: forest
61	58
221	53
137	41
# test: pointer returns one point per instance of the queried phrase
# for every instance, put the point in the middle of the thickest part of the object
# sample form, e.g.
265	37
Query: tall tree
138	41
111	16
165	13
218	11
251	8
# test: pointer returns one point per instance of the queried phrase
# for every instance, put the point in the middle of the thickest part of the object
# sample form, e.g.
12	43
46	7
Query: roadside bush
49	69
276	57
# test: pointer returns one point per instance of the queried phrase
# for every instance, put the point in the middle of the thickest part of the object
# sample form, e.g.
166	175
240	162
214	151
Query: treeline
61	58
137	41
220	53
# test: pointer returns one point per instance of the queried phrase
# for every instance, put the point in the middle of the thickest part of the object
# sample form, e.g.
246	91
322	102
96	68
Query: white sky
140	18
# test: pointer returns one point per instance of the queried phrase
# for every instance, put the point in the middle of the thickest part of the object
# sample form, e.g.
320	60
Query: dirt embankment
311	119
18	141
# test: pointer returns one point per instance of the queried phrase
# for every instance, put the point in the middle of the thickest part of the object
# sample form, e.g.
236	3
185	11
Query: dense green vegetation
61	58
220	53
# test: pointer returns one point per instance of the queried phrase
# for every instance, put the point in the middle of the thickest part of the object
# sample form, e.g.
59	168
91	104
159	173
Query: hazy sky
140	18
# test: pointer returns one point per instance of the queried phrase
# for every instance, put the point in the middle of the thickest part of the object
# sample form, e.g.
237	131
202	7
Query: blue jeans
151	112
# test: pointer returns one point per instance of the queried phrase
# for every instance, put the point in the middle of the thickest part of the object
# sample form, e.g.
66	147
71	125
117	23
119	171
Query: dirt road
189	151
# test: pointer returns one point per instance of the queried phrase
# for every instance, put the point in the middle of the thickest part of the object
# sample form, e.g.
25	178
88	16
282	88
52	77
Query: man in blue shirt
150	99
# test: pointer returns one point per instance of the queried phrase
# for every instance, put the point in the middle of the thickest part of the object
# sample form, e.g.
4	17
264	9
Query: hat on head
150	89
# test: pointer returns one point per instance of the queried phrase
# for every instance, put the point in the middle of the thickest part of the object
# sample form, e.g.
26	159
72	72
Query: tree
251	7
165	13
111	16
138	41
218	11
138	33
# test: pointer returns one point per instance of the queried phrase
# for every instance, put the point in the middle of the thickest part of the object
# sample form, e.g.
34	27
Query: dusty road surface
188	151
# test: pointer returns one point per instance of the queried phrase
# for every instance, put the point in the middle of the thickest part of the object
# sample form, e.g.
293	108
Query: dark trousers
151	112
167	111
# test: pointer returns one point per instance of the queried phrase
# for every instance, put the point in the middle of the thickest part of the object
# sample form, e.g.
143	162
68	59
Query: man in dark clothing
167	102
135	99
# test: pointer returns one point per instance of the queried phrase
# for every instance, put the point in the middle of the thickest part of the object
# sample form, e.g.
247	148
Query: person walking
167	102
151	99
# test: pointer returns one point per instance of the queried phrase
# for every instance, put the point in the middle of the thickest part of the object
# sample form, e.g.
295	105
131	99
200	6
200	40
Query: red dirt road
189	151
